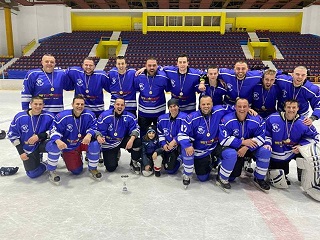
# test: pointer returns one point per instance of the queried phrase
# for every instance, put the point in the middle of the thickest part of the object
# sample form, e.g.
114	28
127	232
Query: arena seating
297	49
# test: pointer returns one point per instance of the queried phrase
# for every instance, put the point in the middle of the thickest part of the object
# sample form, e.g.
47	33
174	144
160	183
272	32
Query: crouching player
285	133
73	132
242	135
28	133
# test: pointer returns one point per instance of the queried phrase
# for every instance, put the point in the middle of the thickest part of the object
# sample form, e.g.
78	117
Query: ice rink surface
153	208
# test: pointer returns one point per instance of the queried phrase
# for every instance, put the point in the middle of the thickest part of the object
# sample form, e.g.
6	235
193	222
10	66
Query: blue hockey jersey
90	87
70	129
184	86
122	86
277	132
202	132
168	128
307	93
115	129
24	126
232	131
50	86
152	101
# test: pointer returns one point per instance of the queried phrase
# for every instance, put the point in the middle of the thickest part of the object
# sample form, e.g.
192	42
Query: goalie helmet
277	178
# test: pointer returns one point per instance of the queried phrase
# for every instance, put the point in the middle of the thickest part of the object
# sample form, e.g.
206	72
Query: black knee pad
202	165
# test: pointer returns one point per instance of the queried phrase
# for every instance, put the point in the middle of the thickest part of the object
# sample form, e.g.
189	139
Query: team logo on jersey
255	96
229	86
124	119
235	132
39	82
173	83
70	127
166	131
275	127
201	130
25	128
113	80
110	128
80	82
141	86
284	93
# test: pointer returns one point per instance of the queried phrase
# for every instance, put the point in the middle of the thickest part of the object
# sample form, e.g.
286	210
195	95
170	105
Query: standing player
265	94
89	84
119	129
239	81
184	83
121	85
241	134
285	132
73	132
28	133
168	127
298	87
48	83
213	86
152	102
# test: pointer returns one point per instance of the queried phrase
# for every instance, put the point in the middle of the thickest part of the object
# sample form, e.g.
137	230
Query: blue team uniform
277	134
50	86
216	93
187	84
307	93
71	130
21	129
122	86
202	133
239	88
152	101
231	134
264	101
90	87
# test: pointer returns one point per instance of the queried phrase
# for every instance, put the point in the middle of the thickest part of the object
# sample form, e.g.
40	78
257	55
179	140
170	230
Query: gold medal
150	92
287	141
263	108
121	92
87	91
79	135
181	93
115	134
208	134
52	89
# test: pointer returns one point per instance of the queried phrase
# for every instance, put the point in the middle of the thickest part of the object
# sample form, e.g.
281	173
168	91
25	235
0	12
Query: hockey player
168	127
239	81
151	150
184	83
152	102
265	94
298	87
119	129
121	85
198	137
48	83
73	131
90	84
214	87
241	134
285	132
28	132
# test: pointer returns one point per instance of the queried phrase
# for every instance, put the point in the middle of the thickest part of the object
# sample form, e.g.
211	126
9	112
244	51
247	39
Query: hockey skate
134	167
223	184
95	174
54	177
124	180
7	171
185	181
261	184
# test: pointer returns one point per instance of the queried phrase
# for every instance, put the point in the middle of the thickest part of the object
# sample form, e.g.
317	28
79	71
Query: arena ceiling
166	4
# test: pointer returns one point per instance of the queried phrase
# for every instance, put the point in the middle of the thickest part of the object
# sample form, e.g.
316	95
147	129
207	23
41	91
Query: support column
7	15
